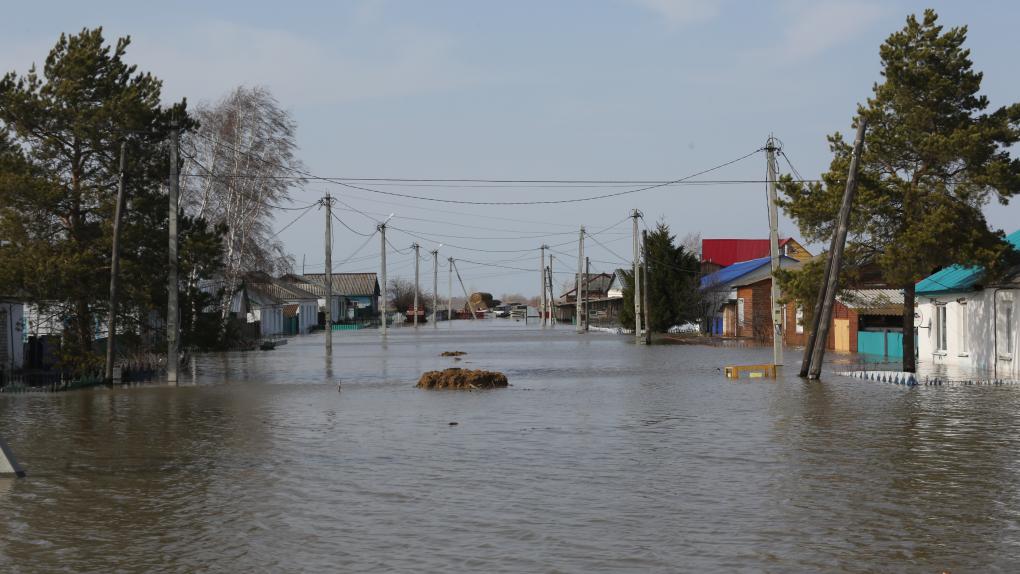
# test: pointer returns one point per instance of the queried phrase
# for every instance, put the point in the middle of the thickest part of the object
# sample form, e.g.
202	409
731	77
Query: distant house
964	320
300	307
600	291
12	334
264	309
740	297
355	295
719	253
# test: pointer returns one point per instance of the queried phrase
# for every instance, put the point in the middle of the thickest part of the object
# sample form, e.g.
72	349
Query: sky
530	90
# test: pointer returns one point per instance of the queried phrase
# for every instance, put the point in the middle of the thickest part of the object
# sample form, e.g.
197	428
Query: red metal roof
726	252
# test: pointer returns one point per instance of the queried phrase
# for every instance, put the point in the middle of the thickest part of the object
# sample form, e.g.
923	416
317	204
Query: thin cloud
819	26
682	12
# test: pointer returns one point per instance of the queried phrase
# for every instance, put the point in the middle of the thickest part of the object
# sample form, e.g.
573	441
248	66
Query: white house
266	310
12	339
963	321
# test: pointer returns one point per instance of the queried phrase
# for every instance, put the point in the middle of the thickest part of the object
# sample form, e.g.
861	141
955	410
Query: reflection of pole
435	286
777	310
382	235
329	273
172	313
815	350
111	337
417	262
466	296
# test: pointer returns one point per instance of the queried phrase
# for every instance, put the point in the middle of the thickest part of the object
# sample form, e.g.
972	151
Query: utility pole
542	300
644	293
111	345
417	265
637	278
382	303
172	312
467	297
435	286
777	309
328	201
579	322
449	291
302	263
552	294
587	283
814	351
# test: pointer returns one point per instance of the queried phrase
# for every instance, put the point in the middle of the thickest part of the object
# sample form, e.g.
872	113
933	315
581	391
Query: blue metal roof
733	272
958	277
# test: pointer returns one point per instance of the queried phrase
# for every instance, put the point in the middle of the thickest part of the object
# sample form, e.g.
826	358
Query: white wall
13	327
986	327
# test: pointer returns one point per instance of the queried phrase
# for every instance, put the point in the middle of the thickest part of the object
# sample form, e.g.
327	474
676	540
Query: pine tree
673	293
933	158
58	181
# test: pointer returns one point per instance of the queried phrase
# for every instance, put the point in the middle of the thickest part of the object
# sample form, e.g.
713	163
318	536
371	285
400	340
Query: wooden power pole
543	302
580	279
435	287
111	337
329	273
637	278
382	263
417	281
644	292
172	311
777	309
814	350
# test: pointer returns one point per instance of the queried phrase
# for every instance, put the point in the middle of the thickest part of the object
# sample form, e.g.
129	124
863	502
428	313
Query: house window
963	327
799	320
740	312
940	328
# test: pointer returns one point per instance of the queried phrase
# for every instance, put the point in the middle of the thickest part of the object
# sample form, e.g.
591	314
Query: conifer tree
933	157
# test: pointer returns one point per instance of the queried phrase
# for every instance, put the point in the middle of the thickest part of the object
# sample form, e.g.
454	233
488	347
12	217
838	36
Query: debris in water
455	378
453	423
452	353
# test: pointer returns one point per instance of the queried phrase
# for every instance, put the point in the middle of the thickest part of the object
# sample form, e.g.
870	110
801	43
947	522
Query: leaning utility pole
579	322
466	296
111	345
637	278
543	302
449	291
644	292
814	350
328	201
435	287
172	312
417	265
777	309
382	303
587	283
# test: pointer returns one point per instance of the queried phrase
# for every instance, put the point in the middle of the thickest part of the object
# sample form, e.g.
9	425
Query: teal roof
958	277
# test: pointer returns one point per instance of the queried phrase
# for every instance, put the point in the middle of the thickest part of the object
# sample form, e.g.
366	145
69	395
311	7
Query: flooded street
602	456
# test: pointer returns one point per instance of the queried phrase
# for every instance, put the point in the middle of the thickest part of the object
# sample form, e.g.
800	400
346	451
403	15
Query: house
866	321
12	335
965	321
355	295
719	253
740	295
300	307
602	294
264	309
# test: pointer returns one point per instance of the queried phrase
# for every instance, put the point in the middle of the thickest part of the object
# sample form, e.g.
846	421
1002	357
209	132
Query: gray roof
595	283
345	284
873	301
277	289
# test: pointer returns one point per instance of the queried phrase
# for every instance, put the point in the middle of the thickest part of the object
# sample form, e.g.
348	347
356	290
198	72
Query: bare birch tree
241	166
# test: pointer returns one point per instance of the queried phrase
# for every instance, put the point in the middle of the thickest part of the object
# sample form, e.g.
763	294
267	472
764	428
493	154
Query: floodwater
603	456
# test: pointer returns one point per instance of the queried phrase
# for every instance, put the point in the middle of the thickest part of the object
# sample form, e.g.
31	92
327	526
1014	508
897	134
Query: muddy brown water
602	456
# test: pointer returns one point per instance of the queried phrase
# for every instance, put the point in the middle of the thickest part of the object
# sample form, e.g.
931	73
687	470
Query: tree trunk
909	361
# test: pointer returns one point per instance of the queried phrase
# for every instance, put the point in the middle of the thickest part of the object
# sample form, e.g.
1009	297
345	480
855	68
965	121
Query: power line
345	183
350	229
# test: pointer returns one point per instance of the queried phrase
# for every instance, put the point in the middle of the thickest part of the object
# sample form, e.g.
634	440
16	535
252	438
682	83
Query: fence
53	381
